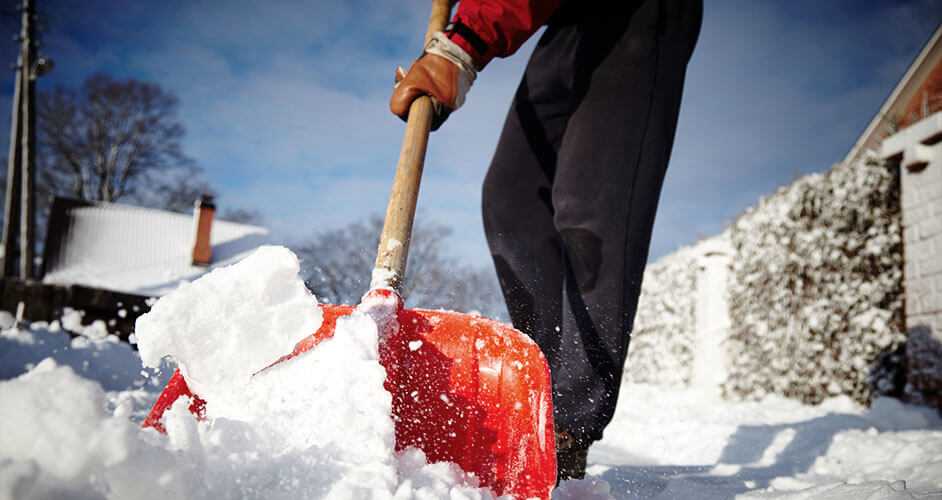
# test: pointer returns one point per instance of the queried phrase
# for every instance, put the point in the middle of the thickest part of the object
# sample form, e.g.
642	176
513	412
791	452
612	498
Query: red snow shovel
465	389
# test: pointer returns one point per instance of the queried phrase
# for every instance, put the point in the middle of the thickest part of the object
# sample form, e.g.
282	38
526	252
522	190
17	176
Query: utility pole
11	220
28	144
19	224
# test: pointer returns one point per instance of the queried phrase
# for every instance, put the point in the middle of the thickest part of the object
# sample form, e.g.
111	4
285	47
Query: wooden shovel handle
393	252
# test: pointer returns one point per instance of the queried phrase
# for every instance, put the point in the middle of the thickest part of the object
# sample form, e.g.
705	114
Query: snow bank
64	444
317	426
105	359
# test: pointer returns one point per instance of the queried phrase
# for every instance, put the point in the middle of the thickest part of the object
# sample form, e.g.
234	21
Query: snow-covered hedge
815	299
661	348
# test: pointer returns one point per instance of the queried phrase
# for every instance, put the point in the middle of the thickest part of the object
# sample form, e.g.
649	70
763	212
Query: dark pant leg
517	204
610	168
581	159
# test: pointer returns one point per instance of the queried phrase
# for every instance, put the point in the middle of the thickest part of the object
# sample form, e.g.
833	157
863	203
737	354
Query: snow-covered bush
661	348
815	299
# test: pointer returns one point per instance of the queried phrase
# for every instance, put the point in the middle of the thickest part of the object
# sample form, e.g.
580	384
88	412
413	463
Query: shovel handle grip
393	251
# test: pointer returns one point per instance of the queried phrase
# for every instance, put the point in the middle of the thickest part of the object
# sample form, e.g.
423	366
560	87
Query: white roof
139	250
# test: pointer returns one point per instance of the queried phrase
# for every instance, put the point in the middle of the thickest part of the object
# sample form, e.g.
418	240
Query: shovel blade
465	389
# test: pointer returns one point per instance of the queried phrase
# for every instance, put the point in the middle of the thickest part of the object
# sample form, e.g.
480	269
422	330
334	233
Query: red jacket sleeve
498	27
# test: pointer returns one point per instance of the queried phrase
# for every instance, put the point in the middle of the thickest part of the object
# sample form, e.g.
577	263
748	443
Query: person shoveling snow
558	225
463	389
570	196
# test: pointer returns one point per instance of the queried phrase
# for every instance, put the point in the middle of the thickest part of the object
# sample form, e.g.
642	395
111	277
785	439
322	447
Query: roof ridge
127	207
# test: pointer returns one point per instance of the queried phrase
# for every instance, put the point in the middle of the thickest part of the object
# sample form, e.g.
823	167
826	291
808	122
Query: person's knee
583	254
578	219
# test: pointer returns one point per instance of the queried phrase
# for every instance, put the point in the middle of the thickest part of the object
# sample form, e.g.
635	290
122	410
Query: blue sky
285	102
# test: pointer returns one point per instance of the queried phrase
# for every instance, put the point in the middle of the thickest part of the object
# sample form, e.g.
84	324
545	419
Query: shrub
816	295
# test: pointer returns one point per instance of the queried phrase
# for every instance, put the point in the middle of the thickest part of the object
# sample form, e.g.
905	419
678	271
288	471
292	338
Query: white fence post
712	314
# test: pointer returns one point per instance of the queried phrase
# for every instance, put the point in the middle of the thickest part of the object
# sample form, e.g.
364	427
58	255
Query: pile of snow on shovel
317	426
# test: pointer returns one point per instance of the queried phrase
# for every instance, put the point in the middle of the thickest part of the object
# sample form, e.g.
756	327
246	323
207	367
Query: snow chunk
229	324
584	489
50	392
420	480
6	320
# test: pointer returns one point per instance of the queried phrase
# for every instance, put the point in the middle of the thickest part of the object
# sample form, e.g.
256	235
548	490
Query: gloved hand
444	71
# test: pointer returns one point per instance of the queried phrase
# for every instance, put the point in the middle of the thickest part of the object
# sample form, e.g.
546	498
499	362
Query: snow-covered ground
70	409
676	443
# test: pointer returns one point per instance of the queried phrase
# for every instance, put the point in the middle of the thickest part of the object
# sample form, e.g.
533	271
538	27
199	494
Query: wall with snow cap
662	341
682	322
801	296
920	168
710	360
816	291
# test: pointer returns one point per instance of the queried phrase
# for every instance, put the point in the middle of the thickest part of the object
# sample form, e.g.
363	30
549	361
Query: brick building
908	132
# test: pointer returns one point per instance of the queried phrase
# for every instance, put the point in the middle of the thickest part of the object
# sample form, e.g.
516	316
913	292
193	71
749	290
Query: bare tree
115	140
337	263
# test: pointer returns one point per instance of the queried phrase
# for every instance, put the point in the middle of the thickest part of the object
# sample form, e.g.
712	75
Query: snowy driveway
670	443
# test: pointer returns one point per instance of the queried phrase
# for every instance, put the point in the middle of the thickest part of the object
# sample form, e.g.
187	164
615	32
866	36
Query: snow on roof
135	250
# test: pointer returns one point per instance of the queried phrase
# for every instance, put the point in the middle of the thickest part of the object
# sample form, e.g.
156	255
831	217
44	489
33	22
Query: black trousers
570	197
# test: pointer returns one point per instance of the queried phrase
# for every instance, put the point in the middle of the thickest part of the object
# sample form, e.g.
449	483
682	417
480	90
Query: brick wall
925	100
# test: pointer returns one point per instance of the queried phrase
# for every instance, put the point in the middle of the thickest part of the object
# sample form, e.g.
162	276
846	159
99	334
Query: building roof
893	110
132	249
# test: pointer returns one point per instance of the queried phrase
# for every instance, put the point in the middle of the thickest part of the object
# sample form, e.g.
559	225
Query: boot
570	457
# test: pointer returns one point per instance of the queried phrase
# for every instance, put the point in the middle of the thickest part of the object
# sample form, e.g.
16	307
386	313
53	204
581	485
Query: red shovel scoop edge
475	392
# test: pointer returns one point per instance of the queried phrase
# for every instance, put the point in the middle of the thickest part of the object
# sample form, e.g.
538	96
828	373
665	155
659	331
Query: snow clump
226	326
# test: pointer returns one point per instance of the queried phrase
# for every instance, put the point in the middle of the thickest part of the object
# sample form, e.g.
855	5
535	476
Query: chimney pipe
203	218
